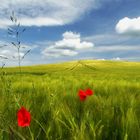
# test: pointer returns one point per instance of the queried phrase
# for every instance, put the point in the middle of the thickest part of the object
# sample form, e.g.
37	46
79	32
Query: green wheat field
50	93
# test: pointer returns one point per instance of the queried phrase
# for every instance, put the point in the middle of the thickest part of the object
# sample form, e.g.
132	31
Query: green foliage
49	92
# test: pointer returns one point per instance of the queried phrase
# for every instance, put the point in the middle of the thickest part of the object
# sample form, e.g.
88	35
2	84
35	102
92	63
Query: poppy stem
16	101
80	113
17	133
32	136
39	125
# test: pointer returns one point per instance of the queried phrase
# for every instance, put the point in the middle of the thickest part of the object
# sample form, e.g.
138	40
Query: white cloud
116	48
116	59
109	39
52	52
128	26
70	45
11	52
3	57
45	12
101	59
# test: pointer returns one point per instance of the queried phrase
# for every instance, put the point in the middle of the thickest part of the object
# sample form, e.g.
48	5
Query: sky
58	31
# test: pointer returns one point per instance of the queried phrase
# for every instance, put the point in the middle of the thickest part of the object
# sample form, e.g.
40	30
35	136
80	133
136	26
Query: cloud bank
70	45
45	12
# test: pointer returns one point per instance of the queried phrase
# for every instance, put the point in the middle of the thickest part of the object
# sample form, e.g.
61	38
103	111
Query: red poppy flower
89	92
82	95
23	117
